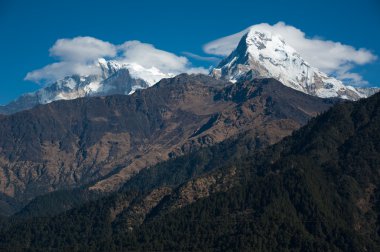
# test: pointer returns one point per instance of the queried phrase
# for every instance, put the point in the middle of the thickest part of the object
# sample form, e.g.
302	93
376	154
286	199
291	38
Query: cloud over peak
331	57
148	56
80	55
82	49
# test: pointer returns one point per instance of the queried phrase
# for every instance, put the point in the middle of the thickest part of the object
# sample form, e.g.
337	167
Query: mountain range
314	190
265	153
104	141
259	54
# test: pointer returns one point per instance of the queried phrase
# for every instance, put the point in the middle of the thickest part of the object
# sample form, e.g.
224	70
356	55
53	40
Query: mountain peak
260	39
113	77
150	75
262	54
108	68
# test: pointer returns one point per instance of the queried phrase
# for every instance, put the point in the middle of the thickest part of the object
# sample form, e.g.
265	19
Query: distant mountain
367	92
261	54
101	142
315	190
113	78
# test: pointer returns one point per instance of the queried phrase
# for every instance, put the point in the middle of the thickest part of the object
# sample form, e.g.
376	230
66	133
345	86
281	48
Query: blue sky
29	28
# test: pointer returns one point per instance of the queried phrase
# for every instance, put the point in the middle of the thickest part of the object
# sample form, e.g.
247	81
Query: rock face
113	78
101	142
261	54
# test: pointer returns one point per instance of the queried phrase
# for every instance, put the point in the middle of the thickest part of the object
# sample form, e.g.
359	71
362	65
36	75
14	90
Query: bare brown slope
104	141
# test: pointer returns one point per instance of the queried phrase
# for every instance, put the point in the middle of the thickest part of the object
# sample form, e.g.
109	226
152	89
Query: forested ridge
316	190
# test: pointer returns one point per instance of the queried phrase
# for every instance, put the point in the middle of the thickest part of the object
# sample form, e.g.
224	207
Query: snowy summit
261	54
112	78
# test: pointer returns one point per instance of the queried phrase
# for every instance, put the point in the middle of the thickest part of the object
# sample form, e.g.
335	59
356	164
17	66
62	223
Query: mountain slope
314	191
261	54
105	141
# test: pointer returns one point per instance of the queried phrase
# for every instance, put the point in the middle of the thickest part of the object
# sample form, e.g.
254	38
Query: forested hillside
315	190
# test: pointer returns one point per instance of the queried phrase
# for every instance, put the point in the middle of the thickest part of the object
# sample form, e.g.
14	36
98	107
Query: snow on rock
261	54
150	75
113	78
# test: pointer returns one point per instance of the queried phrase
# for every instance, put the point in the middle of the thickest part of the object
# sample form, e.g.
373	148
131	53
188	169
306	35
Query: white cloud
350	78
225	45
79	56
82	49
148	56
59	70
201	58
331	57
76	56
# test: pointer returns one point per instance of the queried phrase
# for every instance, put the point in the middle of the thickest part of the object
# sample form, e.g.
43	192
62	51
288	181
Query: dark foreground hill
316	190
101	142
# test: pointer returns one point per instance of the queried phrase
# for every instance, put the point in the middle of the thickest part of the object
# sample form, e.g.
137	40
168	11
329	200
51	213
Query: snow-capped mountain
150	75
261	54
113	78
366	92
